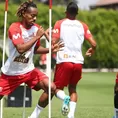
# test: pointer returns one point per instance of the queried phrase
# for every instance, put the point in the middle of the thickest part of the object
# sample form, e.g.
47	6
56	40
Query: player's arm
15	35
46	34
91	50
54	48
41	50
56	45
56	33
54	39
90	39
23	47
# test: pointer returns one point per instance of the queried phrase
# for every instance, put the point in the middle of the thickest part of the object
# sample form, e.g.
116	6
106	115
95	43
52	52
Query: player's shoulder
83	23
14	25
61	20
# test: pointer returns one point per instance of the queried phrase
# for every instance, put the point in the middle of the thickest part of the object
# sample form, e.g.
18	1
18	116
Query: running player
24	41
70	60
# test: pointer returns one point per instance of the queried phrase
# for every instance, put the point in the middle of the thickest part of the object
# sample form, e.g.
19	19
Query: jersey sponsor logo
55	31
16	36
69	56
65	55
21	58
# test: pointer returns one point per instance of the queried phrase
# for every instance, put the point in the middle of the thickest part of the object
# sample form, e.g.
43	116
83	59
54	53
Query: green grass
95	92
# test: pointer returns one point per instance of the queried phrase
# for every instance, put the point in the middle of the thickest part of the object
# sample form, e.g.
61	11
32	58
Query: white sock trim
72	107
41	108
73	103
36	111
60	94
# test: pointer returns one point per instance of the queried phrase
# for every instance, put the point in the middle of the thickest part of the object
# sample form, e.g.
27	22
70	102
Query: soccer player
116	98
69	61
24	41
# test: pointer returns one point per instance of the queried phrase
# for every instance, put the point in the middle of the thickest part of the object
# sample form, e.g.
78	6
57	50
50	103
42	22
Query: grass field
95	91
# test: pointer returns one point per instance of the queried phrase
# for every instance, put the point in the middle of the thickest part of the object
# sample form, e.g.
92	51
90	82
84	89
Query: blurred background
95	89
99	15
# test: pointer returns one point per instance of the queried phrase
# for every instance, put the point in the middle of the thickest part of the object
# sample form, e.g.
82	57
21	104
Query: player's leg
43	100
43	84
8	84
62	76
73	100
65	98
40	81
77	72
116	98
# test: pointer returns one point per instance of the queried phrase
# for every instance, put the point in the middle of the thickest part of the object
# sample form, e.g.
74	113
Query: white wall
84	4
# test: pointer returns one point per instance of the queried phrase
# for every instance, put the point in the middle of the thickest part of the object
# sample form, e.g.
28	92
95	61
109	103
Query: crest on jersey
16	36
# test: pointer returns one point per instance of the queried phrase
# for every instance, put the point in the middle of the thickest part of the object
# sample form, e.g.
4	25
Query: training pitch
95	93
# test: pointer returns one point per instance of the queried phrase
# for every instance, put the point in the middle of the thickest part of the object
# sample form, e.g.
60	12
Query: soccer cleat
65	106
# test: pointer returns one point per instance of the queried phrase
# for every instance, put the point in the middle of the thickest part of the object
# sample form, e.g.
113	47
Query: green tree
102	23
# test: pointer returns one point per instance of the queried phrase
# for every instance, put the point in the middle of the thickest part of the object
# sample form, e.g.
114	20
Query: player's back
72	34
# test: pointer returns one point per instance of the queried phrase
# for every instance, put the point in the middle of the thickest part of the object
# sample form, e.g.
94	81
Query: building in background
107	4
85	4
82	4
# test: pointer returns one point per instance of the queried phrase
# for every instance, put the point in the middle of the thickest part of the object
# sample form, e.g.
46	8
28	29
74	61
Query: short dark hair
72	8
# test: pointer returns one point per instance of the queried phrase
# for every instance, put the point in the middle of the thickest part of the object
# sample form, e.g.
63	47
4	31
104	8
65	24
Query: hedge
102	23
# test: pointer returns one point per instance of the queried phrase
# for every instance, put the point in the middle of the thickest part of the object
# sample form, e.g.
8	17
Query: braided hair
24	6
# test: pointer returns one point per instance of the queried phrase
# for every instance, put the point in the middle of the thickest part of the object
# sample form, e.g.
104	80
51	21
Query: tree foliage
102	23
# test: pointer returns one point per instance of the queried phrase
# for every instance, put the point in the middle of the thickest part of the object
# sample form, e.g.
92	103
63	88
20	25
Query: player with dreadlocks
24	41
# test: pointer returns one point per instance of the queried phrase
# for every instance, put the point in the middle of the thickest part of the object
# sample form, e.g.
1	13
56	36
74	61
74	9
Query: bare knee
45	86
53	88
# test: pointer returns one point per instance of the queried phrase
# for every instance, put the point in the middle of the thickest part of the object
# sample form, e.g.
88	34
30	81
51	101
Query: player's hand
40	32
48	30
57	46
90	52
47	33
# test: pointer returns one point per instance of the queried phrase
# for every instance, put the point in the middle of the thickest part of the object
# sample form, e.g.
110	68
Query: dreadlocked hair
24	6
